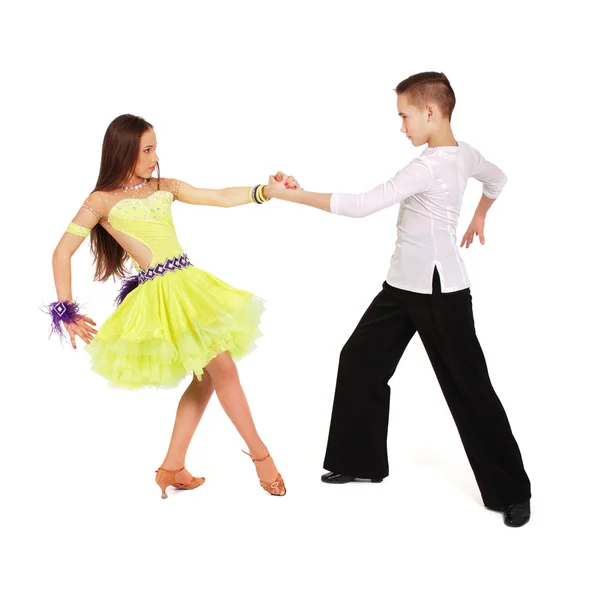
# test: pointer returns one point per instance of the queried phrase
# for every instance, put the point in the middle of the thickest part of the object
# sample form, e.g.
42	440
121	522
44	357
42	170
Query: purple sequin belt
130	283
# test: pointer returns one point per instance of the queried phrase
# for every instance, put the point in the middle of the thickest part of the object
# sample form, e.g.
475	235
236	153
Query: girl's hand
279	183
82	328
475	228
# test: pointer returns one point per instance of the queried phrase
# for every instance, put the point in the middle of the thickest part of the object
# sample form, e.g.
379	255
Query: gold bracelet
261	195
266	199
255	194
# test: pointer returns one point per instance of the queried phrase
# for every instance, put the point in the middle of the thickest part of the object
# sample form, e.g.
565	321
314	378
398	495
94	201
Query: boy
426	291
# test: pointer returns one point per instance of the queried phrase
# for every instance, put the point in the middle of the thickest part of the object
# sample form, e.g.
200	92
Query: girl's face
147	157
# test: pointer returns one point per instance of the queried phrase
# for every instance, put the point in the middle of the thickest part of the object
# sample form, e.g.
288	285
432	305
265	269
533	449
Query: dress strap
92	211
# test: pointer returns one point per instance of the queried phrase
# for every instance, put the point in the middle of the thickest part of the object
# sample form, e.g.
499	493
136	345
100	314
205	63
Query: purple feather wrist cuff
128	285
62	312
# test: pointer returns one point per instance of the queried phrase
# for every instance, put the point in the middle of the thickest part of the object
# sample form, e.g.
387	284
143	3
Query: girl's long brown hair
120	150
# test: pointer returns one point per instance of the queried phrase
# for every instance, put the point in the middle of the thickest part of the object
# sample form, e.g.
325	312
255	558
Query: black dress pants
357	444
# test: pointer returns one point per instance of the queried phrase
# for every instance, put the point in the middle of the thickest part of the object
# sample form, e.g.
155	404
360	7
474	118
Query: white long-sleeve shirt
429	191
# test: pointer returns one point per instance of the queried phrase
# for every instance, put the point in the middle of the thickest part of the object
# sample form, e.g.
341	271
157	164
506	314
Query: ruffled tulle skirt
172	326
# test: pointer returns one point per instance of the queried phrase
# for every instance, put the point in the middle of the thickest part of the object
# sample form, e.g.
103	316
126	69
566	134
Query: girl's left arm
226	197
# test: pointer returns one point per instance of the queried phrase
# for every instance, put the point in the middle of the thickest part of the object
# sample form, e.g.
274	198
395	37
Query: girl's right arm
83	222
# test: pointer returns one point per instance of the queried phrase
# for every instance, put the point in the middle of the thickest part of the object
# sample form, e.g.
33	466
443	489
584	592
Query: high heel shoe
274	488
165	478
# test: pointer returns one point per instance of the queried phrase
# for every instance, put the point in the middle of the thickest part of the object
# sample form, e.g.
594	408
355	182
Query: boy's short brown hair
429	87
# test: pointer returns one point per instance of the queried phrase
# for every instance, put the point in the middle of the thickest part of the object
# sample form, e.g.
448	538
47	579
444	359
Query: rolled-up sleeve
492	177
415	178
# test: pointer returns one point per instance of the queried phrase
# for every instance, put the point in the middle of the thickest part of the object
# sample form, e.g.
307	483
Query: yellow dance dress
178	317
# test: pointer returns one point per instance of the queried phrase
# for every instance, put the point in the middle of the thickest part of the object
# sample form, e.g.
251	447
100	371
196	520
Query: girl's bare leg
226	381
191	407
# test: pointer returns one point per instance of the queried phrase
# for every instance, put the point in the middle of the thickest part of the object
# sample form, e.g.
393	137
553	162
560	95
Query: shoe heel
166	477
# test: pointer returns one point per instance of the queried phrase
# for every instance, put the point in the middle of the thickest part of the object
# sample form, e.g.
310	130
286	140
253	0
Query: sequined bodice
149	221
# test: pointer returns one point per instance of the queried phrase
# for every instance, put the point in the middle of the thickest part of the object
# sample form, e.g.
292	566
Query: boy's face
416	122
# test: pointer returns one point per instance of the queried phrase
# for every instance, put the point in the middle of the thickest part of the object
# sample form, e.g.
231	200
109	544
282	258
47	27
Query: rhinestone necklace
134	187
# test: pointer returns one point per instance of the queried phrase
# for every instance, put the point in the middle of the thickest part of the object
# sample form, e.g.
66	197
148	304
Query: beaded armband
78	229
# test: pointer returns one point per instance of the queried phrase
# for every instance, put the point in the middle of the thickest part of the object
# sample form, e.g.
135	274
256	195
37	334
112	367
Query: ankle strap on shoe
168	471
257	459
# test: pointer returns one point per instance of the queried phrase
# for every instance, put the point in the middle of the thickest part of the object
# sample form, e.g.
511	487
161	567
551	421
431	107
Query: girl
173	319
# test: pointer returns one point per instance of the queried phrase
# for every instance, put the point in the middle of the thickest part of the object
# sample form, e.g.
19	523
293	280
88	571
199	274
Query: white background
236	92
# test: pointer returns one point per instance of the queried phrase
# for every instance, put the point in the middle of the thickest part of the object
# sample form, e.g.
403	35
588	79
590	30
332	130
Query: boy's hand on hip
474	229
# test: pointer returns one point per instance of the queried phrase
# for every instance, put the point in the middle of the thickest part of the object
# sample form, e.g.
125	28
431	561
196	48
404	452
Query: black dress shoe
516	515
339	478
